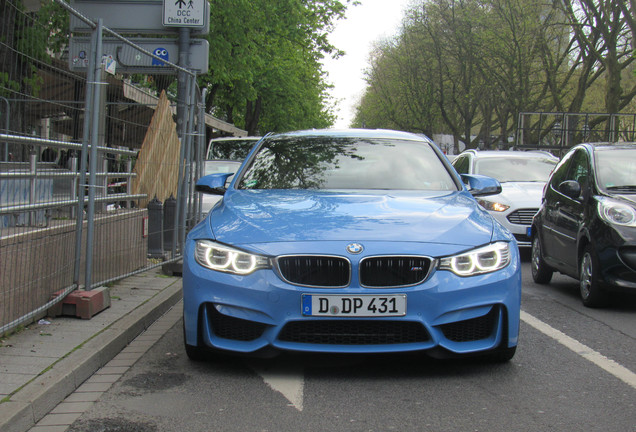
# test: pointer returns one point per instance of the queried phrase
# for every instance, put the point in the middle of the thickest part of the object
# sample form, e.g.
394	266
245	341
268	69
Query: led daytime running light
225	259
479	261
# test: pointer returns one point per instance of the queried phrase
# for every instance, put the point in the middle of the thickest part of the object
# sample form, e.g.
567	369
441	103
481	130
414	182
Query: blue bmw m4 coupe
353	241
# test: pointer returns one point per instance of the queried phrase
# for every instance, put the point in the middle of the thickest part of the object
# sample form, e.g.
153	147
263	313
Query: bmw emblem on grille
354	248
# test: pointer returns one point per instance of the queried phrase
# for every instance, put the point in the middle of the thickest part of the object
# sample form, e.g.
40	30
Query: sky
370	21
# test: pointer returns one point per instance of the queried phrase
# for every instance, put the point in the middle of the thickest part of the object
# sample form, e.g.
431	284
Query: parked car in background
354	241
224	155
586	227
522	176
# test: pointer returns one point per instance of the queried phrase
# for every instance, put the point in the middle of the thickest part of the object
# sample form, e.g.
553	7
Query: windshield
221	166
234	149
346	163
616	169
516	169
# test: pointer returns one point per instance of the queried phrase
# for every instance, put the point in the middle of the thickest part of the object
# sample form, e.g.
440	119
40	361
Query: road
575	370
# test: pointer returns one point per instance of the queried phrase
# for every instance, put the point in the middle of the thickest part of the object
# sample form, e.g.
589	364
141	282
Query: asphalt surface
47	361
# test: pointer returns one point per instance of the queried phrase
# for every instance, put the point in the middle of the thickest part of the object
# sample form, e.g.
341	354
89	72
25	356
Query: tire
502	355
194	352
592	293
541	272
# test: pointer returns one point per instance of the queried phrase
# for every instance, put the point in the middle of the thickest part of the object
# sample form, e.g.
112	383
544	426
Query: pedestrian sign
184	13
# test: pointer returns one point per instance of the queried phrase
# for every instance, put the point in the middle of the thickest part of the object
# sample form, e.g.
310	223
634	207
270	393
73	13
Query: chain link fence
96	179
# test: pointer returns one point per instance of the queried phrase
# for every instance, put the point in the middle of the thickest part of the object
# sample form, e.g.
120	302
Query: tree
400	92
486	61
604	31
27	39
265	72
511	69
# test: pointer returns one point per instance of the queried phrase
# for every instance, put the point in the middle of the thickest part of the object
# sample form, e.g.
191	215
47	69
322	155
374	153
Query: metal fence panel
81	156
558	131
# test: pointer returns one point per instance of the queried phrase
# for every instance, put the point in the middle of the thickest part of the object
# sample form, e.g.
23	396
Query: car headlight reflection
493	205
486	259
617	213
223	258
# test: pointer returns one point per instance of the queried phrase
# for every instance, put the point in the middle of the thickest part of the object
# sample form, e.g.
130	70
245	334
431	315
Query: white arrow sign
184	13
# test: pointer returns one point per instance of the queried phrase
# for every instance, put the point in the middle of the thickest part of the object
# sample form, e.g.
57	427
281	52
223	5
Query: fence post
155	228
6	126
32	219
81	190
90	213
169	222
201	156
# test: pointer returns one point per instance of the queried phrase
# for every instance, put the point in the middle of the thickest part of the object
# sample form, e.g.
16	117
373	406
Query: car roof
236	138
593	147
612	145
509	153
353	133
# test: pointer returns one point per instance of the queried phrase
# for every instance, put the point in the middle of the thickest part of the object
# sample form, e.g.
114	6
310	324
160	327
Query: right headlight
486	259
616	212
219	257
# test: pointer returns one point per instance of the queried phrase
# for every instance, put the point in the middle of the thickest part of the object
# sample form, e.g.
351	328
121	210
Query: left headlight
616	212
487	259
226	259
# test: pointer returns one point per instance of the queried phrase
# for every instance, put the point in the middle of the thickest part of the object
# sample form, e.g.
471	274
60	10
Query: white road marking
285	379
290	381
607	364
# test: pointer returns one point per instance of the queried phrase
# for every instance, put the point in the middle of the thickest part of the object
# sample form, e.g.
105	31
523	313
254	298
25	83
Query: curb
43	394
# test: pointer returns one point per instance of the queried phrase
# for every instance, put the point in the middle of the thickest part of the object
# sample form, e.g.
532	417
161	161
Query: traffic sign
184	13
133	16
130	60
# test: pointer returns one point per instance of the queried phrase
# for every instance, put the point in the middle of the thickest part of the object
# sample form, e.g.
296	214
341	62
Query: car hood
522	194
264	216
628	199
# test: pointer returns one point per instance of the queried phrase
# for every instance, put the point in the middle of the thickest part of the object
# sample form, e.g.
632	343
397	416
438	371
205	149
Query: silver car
224	155
522	175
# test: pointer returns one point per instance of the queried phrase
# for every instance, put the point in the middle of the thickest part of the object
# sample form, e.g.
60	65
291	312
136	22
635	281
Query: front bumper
619	268
519	230
247	314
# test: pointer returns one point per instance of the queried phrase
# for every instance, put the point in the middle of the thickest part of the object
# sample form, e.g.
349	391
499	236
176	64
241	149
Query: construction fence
96	176
559	131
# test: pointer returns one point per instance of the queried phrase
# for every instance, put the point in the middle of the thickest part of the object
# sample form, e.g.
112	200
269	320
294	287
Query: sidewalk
45	362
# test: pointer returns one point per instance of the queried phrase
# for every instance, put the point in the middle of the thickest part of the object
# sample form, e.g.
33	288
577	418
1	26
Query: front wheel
592	293
541	272
194	352
502	355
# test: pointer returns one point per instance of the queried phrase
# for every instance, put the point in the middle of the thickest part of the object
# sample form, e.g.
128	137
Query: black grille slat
354	332
472	329
522	238
522	216
318	271
393	271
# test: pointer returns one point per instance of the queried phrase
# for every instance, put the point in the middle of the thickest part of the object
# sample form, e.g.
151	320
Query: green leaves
265	71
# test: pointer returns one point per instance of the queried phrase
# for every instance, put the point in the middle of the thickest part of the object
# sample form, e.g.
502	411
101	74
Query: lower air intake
354	332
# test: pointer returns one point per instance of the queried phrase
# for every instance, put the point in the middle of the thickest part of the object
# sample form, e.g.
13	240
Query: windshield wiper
624	188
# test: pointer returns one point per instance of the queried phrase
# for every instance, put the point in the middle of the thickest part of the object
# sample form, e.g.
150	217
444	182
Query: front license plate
359	306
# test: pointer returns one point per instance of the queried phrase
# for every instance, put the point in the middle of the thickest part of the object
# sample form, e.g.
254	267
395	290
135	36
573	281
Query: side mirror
213	183
570	188
480	185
